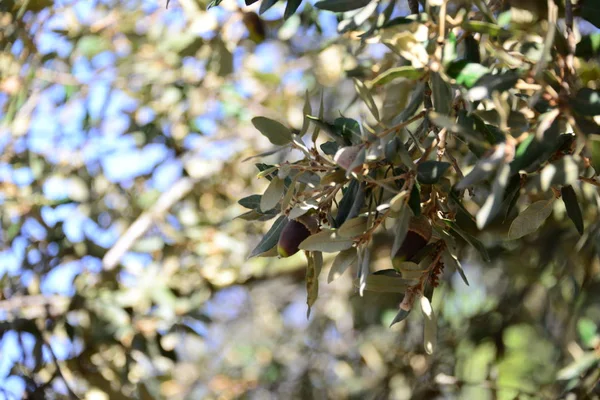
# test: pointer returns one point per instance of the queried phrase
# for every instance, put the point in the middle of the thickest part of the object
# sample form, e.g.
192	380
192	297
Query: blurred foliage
126	133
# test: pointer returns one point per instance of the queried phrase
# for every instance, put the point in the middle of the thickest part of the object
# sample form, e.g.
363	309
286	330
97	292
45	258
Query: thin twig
144	221
570	36
591	181
401	125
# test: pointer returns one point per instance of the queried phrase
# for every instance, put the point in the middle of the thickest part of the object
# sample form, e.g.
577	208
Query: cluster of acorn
296	231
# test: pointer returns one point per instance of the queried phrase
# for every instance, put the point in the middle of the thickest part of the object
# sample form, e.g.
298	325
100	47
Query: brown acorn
294	233
417	237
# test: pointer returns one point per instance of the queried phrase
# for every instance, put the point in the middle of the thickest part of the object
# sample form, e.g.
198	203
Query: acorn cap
417	237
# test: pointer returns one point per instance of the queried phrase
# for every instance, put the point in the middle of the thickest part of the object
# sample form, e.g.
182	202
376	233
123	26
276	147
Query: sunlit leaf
327	241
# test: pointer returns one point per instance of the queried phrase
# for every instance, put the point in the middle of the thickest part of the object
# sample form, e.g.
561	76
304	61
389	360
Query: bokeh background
124	130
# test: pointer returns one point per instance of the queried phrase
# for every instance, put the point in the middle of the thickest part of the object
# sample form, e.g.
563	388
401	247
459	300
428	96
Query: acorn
417	237
294	233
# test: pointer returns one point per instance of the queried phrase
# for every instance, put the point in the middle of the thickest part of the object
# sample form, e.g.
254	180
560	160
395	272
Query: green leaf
389	75
328	241
485	27
466	73
341	263
586	102
594	144
348	128
492	205
273	194
442	94
276	132
365	95
271	238
430	172
531	219
572	205
489	83
429	325
341	5
330	148
588	331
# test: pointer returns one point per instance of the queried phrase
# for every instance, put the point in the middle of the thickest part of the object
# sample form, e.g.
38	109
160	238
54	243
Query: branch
181	188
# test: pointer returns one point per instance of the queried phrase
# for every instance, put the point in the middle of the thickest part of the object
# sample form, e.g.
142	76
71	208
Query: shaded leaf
469	239
330	148
276	132
313	270
401	229
252	202
386	284
271	238
492	205
402	314
594	143
265	5
561	172
306	110
442	94
572	205
291	7
389	75
531	219
341	5
430	172
429	326
365	96
466	73
341	263
364	268
586	102
450	260
273	194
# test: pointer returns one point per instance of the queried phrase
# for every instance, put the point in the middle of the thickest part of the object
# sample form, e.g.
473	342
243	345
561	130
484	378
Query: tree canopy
300	199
